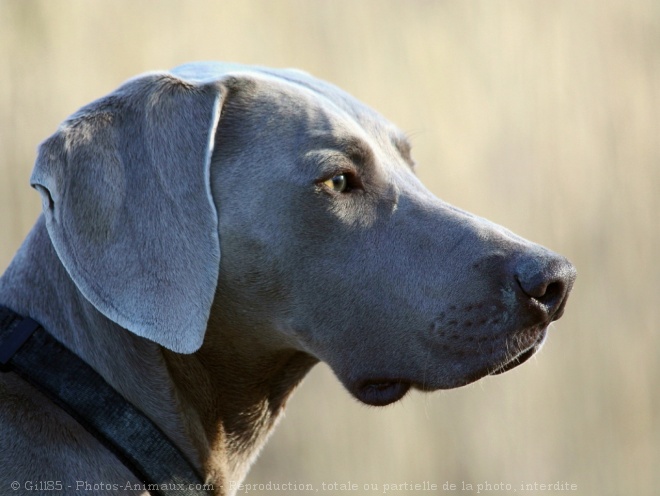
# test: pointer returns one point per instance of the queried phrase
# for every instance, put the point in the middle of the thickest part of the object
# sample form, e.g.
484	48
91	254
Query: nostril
549	294
548	285
554	294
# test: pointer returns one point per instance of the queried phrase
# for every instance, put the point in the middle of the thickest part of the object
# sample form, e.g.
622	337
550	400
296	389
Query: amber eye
338	183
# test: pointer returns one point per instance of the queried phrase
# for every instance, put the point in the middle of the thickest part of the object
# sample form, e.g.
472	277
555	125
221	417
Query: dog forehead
302	113
208	72
297	92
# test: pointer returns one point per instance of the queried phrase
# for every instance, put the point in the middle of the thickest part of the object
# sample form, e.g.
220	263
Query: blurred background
541	115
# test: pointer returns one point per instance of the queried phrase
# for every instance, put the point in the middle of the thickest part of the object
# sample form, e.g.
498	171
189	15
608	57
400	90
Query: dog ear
125	185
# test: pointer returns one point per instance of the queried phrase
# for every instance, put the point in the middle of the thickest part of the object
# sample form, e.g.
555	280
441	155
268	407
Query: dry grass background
541	115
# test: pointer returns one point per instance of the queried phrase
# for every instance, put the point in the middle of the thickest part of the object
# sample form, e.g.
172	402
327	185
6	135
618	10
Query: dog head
330	244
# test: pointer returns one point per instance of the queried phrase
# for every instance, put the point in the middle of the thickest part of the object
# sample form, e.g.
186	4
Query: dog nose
547	280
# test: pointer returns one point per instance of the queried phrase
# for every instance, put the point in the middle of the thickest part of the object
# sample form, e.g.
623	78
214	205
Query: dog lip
381	392
524	354
518	360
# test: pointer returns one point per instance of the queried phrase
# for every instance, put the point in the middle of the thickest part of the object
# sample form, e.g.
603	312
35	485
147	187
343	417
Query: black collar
28	350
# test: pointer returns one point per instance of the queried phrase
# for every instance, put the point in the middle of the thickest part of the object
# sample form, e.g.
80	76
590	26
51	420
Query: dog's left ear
125	185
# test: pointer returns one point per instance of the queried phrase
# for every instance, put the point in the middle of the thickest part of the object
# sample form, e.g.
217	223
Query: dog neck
240	390
217	405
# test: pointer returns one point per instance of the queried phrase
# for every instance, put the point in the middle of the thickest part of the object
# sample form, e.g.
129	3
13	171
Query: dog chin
380	392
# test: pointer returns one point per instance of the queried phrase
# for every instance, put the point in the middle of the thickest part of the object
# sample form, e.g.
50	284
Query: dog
210	233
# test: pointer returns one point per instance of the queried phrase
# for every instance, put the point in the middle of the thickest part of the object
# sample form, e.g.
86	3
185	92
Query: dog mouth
522	356
385	391
518	360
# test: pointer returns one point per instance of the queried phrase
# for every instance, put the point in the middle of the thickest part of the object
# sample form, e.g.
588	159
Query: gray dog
210	233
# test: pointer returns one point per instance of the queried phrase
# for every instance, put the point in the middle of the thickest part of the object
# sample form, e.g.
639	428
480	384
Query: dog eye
338	183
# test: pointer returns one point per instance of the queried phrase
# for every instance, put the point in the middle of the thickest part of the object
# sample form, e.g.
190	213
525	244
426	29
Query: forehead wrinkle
335	104
361	152
353	147
342	116
341	124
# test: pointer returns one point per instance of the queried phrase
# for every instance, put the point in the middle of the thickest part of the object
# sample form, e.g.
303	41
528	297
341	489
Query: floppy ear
125	185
